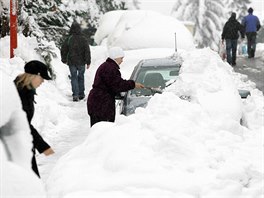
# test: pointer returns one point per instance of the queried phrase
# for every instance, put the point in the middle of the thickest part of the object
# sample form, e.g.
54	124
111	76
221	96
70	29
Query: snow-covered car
155	75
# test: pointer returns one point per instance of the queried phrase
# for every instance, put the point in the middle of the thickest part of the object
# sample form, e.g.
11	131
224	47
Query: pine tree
53	18
240	7
109	5
209	17
4	19
50	20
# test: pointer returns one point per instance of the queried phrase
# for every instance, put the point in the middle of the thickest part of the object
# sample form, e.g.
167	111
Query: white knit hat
116	52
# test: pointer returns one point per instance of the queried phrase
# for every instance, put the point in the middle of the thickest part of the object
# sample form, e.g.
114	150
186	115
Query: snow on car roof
167	61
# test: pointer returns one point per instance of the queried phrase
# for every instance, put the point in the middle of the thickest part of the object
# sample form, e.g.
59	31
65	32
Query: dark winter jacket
231	29
107	84
251	23
27	99
75	50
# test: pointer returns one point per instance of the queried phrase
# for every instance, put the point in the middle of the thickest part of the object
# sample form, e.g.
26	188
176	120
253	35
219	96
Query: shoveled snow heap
173	147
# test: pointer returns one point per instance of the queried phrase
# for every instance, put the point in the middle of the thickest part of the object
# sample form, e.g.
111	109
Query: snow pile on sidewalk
173	147
260	51
208	81
17	178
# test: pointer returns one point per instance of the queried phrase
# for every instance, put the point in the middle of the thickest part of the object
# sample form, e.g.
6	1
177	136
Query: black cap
250	10
38	68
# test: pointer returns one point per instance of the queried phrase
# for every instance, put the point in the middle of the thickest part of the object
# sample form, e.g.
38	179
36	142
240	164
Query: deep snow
173	148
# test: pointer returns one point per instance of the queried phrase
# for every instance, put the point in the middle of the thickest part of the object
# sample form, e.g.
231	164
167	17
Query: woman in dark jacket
107	84
26	83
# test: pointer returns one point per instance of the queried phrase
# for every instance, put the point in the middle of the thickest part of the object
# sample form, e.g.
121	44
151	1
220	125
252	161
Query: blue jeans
77	80
231	48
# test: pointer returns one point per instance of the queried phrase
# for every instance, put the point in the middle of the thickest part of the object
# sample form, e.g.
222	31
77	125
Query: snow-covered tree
240	7
209	17
4	18
54	17
109	5
50	20
133	4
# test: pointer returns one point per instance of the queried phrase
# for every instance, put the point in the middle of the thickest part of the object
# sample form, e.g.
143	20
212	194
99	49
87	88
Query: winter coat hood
75	28
232	17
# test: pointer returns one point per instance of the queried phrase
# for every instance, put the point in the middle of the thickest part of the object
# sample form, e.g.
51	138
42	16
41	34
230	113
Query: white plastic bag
242	49
222	50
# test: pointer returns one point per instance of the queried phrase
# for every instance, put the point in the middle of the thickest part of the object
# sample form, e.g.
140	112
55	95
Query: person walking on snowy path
108	83
252	25
75	52
26	83
231	34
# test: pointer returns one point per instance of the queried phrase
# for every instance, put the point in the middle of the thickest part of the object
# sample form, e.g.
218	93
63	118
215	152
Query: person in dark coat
75	52
252	25
231	34
108	83
26	83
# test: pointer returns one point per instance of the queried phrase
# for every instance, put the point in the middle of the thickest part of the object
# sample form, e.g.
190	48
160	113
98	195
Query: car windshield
155	77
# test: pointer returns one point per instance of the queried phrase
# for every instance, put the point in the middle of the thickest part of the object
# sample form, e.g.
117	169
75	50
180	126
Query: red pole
13	27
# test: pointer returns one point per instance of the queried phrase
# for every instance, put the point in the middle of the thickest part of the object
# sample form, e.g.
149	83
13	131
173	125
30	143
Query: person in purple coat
108	83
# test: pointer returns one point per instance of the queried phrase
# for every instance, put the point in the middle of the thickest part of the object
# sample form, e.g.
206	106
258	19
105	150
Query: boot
75	99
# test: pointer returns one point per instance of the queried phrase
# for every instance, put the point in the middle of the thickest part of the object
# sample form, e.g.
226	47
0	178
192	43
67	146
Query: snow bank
17	182
15	133
17	177
173	147
260	51
25	49
208	80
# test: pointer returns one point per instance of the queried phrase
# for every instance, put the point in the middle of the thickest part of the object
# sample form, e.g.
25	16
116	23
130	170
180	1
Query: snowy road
253	68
